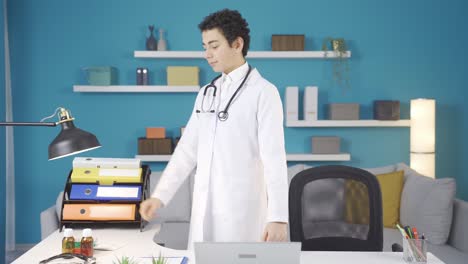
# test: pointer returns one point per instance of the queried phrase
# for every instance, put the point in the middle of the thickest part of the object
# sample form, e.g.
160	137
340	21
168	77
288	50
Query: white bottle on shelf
311	103
162	45
292	104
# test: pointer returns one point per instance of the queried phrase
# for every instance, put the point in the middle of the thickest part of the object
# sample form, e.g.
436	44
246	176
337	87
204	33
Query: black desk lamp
70	141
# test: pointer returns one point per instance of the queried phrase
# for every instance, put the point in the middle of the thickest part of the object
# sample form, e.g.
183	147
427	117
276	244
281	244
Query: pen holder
414	250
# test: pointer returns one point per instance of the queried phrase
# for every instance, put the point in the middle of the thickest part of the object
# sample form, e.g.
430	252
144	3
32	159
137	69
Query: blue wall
2	136
401	50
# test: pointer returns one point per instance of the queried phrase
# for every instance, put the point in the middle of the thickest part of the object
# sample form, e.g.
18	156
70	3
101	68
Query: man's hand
275	231
149	207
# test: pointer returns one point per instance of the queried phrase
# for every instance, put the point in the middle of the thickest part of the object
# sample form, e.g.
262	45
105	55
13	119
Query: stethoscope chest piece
223	115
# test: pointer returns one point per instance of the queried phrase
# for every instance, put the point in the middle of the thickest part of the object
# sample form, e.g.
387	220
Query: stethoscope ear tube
222	115
226	114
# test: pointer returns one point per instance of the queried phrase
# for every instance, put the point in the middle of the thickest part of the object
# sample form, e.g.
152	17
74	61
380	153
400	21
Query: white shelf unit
250	54
318	157
289	157
259	55
153	158
135	89
349	123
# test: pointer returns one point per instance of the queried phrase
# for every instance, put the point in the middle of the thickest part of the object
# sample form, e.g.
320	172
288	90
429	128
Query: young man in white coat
235	140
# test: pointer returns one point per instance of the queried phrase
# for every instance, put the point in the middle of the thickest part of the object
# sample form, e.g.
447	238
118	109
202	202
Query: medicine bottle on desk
87	243
68	241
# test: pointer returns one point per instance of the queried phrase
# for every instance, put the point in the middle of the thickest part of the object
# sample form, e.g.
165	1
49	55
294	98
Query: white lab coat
241	174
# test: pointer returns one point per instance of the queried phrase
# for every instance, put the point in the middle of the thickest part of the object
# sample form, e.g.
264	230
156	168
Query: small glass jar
87	243
68	241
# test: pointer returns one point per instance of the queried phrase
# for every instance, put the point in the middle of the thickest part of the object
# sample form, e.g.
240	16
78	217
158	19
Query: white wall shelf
135	89
289	157
250	54
319	157
153	158
349	123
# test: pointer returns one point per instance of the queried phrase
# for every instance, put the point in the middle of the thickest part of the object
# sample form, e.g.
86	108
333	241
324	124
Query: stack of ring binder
105	191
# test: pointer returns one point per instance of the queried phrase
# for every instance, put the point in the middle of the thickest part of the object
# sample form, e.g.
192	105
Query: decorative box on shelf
325	145
102	75
183	75
287	42
386	110
343	111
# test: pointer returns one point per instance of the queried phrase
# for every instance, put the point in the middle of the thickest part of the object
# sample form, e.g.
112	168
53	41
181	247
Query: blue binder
98	192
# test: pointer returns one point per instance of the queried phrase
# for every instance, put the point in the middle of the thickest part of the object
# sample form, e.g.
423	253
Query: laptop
247	252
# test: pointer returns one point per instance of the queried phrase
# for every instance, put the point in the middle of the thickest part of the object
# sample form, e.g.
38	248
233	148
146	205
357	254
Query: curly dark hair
231	24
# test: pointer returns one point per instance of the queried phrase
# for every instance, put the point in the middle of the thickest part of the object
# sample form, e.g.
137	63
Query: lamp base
423	163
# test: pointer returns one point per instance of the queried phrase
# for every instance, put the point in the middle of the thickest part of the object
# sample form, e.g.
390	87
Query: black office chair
336	208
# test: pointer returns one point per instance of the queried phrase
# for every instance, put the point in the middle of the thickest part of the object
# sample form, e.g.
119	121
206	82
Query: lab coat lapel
207	132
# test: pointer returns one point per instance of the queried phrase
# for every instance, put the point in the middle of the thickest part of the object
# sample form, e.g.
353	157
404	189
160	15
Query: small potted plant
125	260
340	64
159	260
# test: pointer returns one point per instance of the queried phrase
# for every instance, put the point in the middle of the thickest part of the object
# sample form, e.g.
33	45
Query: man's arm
272	153
182	162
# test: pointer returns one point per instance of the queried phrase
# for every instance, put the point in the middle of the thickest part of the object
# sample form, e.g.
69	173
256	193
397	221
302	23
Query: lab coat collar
237	74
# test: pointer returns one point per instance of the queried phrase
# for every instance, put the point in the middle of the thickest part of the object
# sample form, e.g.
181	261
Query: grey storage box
325	145
343	111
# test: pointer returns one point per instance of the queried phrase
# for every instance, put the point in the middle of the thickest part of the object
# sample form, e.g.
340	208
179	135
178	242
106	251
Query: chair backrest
336	208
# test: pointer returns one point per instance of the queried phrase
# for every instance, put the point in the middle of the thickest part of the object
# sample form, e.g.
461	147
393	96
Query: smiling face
221	56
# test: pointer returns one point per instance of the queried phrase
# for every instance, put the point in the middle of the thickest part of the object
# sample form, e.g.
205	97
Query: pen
403	233
415	233
408	231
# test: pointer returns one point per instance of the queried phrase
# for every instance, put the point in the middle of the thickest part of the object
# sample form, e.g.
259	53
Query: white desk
132	242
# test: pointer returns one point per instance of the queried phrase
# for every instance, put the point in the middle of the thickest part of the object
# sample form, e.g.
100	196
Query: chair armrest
49	222
459	230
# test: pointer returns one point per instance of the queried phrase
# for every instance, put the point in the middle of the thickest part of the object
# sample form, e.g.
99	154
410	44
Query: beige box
182	75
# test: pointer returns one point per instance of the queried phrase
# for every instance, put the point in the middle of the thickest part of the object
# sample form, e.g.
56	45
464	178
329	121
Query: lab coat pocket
207	121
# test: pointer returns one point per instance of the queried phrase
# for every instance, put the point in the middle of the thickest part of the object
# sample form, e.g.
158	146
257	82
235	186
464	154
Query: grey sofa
451	248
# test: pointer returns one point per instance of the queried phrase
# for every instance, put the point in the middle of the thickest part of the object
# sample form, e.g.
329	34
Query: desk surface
132	242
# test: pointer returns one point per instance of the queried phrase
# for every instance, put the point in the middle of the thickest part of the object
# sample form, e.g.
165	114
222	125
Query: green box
103	75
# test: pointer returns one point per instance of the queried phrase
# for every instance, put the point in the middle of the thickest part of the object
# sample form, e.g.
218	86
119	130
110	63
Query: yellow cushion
391	185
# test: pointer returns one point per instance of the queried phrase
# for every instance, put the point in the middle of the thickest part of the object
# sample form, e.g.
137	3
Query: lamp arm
28	124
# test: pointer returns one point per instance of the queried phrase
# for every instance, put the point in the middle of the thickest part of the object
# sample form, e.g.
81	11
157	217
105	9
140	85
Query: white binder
292	104
311	103
106	163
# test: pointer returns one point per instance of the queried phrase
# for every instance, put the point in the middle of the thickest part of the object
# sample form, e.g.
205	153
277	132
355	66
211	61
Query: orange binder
99	212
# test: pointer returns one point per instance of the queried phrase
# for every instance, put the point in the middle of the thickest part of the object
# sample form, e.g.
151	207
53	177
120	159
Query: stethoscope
222	115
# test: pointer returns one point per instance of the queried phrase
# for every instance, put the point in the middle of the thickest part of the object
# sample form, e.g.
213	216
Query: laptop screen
247	252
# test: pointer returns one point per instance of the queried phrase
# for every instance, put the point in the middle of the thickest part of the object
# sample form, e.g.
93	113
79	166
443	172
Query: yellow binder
106	176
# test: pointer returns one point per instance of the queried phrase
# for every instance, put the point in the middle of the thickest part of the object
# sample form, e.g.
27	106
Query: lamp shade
71	140
422	136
